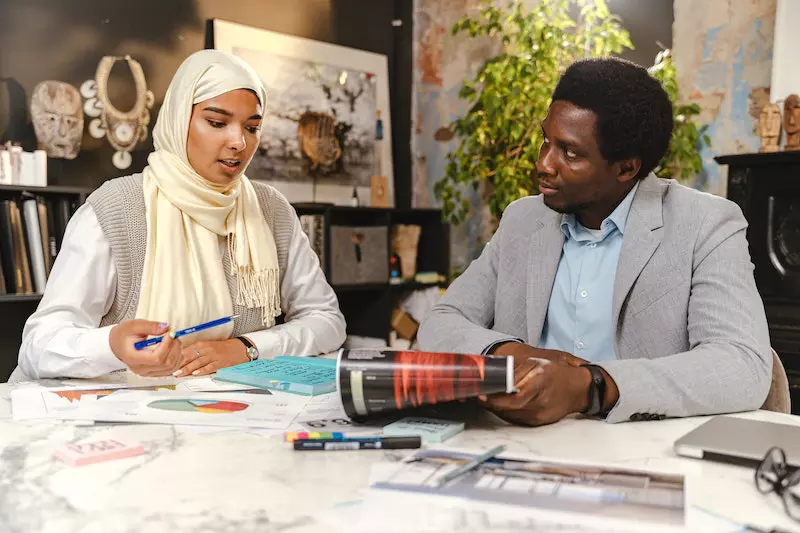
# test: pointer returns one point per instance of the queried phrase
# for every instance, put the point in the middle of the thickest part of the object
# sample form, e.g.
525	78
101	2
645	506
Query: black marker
356	443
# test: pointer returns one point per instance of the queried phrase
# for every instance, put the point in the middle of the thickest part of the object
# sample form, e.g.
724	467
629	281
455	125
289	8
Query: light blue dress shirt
579	313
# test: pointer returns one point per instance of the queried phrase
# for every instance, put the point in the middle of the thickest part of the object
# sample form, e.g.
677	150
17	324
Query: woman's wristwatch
252	351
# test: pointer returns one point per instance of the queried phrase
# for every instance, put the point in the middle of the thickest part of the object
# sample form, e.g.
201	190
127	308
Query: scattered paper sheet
234	409
345	516
77	400
29	403
325	413
124	378
205	409
209	384
518	493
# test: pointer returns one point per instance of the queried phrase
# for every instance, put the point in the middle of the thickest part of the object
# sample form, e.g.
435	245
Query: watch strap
246	342
597	391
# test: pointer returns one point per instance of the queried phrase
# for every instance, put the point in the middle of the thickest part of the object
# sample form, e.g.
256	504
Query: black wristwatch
252	351
597	391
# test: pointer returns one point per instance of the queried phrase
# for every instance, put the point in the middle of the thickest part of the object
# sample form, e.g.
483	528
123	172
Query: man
648	283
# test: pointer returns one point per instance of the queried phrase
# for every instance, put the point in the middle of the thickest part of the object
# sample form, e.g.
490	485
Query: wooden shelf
759	158
13	298
414	286
360	287
51	189
406	286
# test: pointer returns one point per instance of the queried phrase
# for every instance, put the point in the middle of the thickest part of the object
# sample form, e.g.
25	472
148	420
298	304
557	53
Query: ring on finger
197	352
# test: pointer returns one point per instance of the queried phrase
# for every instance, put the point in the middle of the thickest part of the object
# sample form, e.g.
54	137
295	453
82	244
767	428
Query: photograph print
320	121
327	121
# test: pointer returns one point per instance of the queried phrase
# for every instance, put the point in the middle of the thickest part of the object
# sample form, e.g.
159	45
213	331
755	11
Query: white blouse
62	338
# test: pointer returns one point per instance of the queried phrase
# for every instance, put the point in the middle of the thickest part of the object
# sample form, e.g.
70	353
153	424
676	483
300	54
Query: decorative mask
57	112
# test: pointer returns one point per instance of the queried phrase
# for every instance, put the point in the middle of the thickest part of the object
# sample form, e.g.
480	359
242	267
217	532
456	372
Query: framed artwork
327	124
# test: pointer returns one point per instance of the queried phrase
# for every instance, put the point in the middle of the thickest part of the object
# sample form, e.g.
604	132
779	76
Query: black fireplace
767	188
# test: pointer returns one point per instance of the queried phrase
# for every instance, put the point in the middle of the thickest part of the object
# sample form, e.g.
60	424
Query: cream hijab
183	282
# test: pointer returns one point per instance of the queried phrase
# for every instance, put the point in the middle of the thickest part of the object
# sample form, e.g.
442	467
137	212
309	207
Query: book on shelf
24	283
31	234
62	215
33	231
3	290
314	227
7	247
54	237
41	210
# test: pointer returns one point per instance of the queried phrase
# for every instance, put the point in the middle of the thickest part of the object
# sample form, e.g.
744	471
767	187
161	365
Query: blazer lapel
643	233
544	254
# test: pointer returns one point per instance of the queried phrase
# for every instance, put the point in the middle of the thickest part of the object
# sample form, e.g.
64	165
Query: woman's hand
159	360
206	357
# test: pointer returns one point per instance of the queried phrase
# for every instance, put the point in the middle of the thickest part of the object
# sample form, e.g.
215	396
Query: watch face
252	353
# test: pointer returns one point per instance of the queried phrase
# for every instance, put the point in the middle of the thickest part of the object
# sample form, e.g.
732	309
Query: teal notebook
308	376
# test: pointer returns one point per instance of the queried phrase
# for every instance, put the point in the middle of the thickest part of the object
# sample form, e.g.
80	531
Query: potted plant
500	135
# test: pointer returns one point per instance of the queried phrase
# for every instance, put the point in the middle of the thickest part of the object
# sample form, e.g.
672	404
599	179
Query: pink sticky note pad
97	452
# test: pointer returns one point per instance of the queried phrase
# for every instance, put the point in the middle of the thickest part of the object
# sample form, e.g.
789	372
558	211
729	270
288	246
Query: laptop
739	441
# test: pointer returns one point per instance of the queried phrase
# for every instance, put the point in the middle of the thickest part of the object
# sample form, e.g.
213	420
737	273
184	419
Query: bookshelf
17	305
367	306
13	298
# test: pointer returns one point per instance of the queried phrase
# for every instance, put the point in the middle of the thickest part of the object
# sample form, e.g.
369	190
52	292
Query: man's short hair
634	113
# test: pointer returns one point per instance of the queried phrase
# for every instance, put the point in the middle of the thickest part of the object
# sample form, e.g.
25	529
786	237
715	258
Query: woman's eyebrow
219	110
228	113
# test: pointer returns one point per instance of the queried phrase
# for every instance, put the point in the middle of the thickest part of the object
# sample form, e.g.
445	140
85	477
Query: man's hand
160	360
206	357
551	385
523	352
547	392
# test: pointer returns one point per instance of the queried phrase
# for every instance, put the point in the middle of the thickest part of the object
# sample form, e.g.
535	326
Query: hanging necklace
124	130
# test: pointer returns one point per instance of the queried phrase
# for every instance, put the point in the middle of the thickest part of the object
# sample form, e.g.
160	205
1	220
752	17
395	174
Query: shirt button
579	345
584	294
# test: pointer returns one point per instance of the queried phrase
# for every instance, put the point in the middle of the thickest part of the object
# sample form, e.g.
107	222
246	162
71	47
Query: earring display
123	129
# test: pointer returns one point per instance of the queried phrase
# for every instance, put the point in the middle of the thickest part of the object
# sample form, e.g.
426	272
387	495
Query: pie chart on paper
212	407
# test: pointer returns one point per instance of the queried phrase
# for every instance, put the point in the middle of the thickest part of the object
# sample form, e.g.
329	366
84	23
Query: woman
187	241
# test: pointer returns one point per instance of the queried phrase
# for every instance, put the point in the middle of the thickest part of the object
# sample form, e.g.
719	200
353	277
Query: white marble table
235	482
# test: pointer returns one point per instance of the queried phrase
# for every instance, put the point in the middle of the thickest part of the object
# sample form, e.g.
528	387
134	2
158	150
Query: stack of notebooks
31	231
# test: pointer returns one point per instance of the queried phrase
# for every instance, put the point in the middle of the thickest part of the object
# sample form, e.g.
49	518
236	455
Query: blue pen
359	443
155	340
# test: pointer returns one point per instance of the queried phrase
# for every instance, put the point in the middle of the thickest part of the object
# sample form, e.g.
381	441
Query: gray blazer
689	326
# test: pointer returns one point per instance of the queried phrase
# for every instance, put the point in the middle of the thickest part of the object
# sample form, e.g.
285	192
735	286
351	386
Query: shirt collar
616	220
